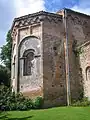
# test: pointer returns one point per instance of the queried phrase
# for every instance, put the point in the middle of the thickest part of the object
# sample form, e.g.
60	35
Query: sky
10	9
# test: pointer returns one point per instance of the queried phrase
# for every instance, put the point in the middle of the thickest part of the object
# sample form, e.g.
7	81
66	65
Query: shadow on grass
4	116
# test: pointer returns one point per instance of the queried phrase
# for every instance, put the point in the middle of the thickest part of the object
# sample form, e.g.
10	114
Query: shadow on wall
5	116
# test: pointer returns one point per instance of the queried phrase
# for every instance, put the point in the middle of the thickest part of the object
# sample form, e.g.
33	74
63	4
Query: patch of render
34	81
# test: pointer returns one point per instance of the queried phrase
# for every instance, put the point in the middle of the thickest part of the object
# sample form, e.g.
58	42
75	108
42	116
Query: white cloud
83	7
9	9
24	7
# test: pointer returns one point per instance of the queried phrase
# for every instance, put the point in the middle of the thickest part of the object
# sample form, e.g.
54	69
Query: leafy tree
6	51
5	56
4	76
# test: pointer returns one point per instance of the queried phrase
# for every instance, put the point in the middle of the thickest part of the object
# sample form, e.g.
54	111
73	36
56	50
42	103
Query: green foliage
23	103
81	94
38	102
6	51
11	101
4	76
78	51
5	57
83	102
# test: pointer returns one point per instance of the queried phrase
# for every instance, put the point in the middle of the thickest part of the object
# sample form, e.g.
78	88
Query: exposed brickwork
54	63
78	31
48	35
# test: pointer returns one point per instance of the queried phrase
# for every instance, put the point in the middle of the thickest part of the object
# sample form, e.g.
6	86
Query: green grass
59	113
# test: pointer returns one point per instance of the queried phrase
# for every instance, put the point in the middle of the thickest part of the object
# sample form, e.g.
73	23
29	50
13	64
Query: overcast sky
9	9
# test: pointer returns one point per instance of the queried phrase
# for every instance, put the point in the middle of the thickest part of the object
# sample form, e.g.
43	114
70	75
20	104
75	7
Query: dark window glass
28	57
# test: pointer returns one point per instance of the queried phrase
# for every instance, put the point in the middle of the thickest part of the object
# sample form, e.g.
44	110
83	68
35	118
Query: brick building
51	56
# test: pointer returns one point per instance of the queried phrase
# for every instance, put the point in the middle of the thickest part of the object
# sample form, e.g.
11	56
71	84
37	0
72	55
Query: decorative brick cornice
34	18
78	20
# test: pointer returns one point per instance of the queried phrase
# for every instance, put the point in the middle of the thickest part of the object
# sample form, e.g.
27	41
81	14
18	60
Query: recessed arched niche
29	55
29	48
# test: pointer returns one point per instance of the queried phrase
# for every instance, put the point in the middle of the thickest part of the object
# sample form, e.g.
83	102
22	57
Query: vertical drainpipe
42	35
17	53
67	59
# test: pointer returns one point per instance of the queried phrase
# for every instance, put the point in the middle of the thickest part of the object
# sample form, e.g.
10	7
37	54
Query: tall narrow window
88	73
27	67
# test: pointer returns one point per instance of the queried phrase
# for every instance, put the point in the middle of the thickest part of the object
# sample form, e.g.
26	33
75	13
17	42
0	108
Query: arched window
88	73
27	66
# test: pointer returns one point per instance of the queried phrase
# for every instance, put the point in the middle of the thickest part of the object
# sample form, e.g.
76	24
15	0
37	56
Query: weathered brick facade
59	68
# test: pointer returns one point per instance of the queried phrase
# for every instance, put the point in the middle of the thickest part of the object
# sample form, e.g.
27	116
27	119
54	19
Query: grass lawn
59	113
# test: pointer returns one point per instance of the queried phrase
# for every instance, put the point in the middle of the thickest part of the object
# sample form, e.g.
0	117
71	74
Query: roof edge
67	9
32	15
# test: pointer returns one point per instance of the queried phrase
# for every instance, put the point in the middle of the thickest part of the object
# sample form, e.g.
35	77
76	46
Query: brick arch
27	51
